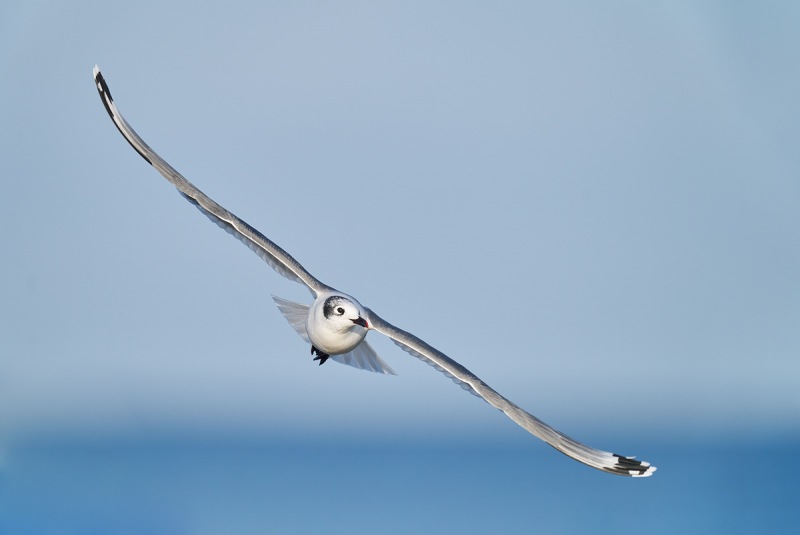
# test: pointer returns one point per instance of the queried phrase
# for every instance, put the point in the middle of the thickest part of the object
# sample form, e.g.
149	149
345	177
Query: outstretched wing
602	460
277	258
290	268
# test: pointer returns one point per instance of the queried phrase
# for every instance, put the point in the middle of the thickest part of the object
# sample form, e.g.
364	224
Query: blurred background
592	207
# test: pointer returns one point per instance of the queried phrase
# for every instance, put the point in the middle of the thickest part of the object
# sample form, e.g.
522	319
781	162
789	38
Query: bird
336	324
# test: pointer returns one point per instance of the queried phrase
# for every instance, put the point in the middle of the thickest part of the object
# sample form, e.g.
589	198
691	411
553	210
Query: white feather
362	357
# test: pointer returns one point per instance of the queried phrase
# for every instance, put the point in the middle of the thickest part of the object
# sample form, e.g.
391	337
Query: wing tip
629	466
102	87
387	370
649	471
105	96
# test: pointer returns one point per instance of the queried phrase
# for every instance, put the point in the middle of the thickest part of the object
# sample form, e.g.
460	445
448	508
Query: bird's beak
361	321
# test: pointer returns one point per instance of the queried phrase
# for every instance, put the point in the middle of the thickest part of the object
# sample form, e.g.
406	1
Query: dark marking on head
329	307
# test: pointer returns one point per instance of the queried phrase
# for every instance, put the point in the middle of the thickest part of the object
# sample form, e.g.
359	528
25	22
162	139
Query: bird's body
336	324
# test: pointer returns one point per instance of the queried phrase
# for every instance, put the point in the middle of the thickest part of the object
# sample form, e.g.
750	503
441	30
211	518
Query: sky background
592	207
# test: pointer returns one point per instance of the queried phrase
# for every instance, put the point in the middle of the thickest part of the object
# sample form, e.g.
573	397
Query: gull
336	324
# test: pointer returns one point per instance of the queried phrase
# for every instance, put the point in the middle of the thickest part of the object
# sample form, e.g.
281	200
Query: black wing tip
108	103
105	93
629	466
102	86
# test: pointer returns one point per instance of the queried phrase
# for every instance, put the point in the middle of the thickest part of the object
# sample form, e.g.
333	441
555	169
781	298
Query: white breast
334	335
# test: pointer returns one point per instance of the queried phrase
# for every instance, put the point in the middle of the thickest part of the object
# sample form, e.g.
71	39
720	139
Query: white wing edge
277	258
602	460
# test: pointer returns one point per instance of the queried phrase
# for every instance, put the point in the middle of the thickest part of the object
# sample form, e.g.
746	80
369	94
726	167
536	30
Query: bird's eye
340	311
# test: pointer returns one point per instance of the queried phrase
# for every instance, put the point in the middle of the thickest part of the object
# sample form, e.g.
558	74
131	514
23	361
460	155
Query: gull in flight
336	324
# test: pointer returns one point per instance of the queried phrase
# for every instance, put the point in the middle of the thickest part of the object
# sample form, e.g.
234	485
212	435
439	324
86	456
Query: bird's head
344	312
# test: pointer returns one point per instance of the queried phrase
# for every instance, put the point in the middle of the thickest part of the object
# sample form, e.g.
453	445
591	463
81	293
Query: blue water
277	485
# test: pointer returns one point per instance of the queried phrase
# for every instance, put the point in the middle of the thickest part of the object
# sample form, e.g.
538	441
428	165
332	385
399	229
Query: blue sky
593	207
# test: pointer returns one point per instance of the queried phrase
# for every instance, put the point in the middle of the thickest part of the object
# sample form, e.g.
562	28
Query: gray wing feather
430	362
277	258
295	314
364	357
602	460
